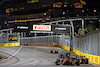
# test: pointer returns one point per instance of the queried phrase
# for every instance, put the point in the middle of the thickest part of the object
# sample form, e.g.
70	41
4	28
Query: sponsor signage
61	28
86	47
9	44
22	27
12	38
57	28
42	27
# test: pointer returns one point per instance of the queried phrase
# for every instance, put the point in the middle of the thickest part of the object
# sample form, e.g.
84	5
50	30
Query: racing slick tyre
77	62
86	61
67	63
51	51
57	62
62	61
82	61
72	62
56	51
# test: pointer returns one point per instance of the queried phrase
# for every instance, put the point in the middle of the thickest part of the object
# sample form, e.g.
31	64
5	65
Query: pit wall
89	46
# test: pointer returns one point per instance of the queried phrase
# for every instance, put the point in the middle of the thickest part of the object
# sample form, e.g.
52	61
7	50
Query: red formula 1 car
53	51
67	61
72	60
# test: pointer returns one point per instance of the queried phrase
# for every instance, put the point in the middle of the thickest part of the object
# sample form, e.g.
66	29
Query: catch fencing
90	43
41	40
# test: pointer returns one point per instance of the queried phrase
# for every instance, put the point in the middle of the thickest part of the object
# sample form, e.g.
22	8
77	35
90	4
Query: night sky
2	18
93	4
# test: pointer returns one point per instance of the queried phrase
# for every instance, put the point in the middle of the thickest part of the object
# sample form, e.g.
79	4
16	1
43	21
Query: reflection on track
33	56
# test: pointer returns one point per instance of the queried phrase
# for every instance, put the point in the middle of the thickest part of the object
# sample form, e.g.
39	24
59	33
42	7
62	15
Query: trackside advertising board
22	27
13	38
61	28
9	44
42	27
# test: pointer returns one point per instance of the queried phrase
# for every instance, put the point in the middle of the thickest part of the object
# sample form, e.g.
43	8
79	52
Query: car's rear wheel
77	62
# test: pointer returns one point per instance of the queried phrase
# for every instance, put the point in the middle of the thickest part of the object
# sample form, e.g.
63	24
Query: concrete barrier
64	47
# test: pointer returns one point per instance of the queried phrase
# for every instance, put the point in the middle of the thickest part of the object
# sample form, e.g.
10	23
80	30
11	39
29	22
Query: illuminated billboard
42	27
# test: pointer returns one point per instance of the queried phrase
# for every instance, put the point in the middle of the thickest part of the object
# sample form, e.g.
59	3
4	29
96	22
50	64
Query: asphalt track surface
34	56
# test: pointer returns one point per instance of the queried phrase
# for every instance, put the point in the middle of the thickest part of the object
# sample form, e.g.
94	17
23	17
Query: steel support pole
63	23
7	37
10	31
21	34
1	36
82	24
35	34
72	32
18	37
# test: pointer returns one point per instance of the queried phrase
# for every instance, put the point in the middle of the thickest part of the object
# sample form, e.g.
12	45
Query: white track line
12	54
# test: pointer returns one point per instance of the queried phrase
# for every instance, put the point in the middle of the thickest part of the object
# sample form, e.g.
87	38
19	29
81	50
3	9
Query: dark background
90	4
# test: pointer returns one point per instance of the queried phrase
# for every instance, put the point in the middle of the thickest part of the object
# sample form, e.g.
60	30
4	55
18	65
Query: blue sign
86	47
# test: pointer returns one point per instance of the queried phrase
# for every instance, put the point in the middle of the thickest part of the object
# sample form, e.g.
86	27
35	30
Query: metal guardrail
39	40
